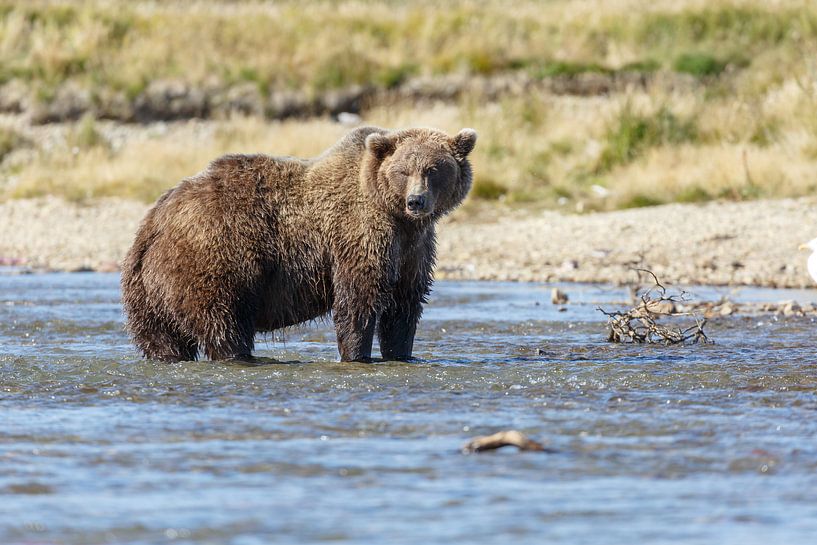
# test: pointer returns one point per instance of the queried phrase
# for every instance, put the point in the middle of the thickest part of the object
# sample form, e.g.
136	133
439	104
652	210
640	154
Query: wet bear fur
258	243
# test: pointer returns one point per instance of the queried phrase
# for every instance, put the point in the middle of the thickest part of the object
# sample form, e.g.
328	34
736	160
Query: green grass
487	189
631	133
646	66
565	68
693	194
751	27
699	64
10	140
392	76
86	134
640	201
765	133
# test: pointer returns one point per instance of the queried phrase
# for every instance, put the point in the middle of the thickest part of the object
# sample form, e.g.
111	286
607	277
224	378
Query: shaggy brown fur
258	243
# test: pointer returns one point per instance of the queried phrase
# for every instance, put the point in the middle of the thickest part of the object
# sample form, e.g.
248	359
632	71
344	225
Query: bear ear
380	145
463	143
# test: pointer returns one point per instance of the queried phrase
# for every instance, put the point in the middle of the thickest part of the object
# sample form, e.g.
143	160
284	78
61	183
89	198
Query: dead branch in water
503	439
640	325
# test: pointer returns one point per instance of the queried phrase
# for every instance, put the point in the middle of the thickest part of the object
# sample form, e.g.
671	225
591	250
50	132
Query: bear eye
439	172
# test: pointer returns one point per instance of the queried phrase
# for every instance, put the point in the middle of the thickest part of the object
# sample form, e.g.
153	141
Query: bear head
418	174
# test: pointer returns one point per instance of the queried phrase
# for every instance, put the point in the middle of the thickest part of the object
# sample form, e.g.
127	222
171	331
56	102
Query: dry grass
541	150
744	126
150	161
322	44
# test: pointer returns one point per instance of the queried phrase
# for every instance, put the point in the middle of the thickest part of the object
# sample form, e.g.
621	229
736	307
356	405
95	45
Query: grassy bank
725	107
124	46
567	152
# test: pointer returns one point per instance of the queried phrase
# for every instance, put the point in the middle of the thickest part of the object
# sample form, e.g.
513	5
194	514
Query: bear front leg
396	330
355	333
398	321
359	286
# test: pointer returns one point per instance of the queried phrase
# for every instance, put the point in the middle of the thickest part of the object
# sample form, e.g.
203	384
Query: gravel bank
753	243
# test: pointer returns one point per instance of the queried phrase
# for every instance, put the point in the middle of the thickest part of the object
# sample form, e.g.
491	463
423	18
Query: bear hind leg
233	343
179	350
161	340
227	335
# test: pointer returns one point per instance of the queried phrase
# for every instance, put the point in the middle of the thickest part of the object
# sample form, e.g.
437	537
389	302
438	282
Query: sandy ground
753	243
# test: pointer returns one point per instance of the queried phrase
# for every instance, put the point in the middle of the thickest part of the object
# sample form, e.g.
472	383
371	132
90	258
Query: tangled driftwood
640	324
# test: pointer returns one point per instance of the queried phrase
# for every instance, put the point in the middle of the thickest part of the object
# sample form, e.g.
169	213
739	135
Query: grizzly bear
256	243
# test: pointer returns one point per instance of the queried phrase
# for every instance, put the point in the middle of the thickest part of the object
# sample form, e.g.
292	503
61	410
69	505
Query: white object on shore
812	259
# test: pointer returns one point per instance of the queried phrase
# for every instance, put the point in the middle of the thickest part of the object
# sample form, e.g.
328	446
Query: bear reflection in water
257	243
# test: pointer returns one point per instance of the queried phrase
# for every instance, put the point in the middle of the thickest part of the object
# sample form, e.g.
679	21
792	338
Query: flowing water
699	444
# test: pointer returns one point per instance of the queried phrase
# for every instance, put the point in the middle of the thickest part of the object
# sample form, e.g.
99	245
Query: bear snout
419	203
416	202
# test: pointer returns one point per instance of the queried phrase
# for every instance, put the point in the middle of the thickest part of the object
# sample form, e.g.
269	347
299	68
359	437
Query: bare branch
640	325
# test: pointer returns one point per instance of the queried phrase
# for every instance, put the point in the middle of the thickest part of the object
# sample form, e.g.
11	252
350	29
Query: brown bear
258	243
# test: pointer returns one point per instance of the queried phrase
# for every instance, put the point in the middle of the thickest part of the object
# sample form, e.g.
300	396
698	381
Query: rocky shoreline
751	243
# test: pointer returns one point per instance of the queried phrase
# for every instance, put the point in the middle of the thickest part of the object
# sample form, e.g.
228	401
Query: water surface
702	444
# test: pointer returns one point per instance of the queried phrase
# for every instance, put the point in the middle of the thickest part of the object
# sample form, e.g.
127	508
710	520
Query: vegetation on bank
319	45
573	153
725	106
